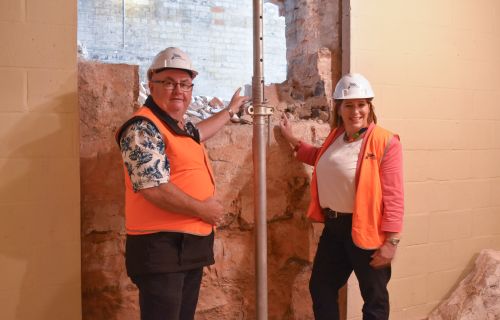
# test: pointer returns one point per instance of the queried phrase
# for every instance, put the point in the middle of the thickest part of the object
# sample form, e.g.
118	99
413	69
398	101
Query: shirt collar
191	131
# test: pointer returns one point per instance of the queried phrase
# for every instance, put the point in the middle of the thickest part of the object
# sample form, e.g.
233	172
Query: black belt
332	214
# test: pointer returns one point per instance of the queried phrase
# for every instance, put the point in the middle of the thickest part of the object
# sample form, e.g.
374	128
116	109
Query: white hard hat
353	86
171	58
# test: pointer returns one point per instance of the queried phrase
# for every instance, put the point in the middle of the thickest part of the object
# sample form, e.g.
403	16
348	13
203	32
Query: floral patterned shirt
143	153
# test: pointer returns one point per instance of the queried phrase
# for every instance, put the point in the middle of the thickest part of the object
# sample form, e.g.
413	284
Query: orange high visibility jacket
190	171
368	204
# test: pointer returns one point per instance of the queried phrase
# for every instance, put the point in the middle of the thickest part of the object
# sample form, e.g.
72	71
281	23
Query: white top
336	171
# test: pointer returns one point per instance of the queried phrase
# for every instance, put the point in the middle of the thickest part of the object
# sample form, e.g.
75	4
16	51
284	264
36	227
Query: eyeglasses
170	85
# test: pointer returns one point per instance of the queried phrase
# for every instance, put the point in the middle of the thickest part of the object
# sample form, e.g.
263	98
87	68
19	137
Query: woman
357	191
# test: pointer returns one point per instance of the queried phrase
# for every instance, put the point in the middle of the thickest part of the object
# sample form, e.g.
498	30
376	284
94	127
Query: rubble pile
477	297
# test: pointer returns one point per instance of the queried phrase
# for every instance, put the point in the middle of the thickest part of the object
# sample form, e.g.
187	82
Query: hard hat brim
192	73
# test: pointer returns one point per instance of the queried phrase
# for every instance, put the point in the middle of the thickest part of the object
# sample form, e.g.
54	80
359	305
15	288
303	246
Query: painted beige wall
435	67
39	166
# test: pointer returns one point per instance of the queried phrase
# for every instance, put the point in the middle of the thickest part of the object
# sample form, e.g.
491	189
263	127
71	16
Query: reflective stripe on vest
368	204
190	171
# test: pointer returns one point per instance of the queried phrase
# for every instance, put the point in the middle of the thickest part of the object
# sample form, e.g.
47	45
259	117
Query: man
170	206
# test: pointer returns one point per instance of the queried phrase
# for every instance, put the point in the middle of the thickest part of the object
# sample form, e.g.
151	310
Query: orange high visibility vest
368	204
190	171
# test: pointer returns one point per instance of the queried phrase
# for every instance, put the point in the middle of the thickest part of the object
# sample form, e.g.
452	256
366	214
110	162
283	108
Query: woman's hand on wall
286	131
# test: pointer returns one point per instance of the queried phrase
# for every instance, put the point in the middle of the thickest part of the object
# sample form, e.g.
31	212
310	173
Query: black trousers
169	296
337	256
167	267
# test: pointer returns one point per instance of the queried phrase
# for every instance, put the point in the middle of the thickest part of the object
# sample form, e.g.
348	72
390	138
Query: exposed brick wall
218	36
107	96
313	51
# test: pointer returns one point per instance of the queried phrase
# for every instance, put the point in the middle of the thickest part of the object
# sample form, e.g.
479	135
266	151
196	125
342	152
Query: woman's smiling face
354	113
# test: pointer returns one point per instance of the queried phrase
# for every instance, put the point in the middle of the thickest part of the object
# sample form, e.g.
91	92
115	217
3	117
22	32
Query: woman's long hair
337	119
